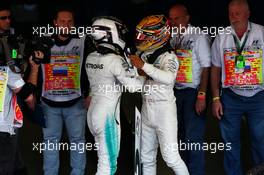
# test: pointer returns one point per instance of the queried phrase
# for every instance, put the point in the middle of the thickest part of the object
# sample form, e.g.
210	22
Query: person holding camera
12	86
62	99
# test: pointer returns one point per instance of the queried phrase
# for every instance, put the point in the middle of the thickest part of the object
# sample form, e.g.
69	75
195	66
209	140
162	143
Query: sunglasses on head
5	17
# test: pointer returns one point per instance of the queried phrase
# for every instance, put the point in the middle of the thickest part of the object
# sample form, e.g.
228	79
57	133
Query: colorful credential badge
243	70
184	74
62	74
3	84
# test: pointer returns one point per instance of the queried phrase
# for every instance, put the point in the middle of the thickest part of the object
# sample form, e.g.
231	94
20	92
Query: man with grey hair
237	59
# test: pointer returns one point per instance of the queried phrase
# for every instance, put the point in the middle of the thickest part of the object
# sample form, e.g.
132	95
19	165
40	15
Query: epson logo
94	66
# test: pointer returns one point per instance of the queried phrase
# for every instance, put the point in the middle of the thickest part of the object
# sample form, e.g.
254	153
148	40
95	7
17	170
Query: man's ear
248	13
188	17
54	22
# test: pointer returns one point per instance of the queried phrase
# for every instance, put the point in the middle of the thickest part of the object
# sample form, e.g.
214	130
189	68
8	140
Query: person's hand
136	61
87	102
39	55
200	106
217	109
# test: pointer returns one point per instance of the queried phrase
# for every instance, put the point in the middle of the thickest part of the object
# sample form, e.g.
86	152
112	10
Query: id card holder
240	64
3	85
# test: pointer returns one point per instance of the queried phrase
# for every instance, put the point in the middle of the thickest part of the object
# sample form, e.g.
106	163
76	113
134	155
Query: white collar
249	27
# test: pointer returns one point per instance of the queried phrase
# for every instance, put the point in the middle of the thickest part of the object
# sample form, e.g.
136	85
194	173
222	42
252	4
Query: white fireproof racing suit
159	116
103	115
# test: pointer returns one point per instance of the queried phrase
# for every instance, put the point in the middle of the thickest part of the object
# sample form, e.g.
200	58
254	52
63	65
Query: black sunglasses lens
5	17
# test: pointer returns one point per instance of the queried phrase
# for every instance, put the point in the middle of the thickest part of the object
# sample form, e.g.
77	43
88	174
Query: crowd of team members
74	90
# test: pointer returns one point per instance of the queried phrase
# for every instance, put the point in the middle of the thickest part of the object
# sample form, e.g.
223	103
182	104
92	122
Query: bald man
237	59
193	52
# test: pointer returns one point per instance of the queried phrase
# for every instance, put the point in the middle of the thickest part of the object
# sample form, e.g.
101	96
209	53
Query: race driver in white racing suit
106	70
159	117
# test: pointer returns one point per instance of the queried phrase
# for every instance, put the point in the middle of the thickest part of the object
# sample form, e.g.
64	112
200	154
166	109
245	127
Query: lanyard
237	42
178	42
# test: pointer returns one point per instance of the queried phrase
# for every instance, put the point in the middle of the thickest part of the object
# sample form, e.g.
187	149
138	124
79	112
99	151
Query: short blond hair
239	2
182	6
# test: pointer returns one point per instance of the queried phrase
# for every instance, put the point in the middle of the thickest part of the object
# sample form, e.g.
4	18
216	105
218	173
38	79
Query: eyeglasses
5	17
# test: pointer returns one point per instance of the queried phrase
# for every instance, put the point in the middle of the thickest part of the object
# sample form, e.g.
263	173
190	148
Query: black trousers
10	159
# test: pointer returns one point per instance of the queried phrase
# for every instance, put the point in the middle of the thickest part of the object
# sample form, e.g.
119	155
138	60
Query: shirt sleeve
133	84
167	73
216	54
203	50
14	80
